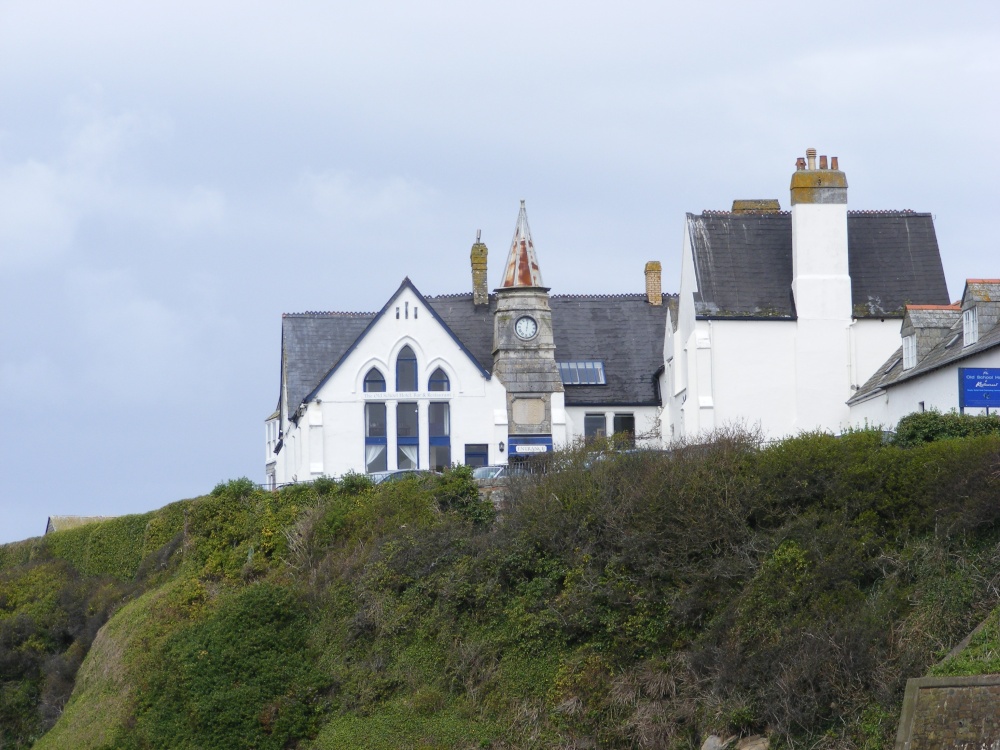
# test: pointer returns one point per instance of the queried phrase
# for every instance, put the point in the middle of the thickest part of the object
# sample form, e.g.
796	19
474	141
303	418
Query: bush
928	426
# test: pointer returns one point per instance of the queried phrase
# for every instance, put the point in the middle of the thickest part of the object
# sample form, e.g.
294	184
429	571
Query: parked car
398	475
487	473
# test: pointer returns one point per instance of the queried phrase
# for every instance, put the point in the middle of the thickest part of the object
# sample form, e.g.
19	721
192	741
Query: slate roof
743	263
948	351
311	344
624	331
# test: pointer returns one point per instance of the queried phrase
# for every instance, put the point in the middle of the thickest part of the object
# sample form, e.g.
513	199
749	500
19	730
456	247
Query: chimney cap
756	206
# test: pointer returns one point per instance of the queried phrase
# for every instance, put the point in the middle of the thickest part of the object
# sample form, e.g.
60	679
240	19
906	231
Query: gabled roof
312	343
948	351
743	263
623	330
318	342
931	316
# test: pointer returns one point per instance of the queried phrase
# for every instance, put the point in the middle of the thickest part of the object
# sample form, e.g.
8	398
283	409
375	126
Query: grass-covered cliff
644	601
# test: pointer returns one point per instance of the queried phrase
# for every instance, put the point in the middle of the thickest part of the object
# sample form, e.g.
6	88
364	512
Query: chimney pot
834	165
654	287
822	162
811	157
800	163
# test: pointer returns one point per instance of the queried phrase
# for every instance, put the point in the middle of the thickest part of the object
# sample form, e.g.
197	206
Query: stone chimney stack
480	293
654	288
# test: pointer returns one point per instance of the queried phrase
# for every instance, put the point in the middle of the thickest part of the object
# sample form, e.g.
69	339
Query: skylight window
582	372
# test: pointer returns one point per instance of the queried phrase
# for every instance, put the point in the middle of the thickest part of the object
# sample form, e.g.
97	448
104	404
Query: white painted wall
783	376
329	439
647	422
937	390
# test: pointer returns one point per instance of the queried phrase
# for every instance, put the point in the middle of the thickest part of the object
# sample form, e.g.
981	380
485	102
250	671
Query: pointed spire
522	265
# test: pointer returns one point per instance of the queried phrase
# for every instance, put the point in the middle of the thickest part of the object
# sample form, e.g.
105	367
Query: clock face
525	327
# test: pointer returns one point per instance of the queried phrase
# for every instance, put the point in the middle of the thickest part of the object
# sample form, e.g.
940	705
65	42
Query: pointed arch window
439	381
374	382
406	370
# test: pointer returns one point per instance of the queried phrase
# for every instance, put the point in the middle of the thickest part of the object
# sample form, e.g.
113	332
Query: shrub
928	426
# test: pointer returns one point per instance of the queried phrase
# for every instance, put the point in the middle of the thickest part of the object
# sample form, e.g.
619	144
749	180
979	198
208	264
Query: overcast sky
174	176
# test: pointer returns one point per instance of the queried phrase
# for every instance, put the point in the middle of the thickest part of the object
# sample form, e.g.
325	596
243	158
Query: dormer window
909	351
970	326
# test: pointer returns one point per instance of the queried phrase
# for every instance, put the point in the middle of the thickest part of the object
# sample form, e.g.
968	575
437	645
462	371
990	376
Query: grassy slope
643	602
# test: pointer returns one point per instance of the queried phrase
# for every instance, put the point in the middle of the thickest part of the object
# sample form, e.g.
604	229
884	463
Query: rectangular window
407	436
625	428
440	457
909	352
406	420
594	426
439	430
376	458
438	420
374	420
970	326
376	450
477	454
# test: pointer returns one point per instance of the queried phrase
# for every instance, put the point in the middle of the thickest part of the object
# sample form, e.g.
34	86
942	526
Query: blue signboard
528	445
979	386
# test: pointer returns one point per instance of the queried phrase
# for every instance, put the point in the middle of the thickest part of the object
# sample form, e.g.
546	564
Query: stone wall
950	713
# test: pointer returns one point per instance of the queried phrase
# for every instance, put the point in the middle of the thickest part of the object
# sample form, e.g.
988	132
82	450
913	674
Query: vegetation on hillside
641	601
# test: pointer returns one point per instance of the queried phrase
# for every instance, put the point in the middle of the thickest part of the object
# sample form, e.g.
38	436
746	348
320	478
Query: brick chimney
480	294
654	288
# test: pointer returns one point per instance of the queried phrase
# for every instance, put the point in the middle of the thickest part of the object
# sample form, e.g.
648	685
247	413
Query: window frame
406	355
368	379
909	351
439	377
970	326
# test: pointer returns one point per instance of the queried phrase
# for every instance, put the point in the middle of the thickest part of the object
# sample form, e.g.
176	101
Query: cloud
39	210
201	207
341	196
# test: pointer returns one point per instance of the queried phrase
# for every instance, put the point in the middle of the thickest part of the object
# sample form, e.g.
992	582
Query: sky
176	175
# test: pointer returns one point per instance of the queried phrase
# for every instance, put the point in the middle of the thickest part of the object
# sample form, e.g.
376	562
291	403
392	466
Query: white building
782	316
944	347
476	378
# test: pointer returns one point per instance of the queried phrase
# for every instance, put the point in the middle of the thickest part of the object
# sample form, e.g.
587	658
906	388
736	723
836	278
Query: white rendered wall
873	340
937	390
647	422
754	366
329	438
821	282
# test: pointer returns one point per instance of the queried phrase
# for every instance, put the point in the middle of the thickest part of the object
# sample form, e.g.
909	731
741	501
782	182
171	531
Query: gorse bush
629	600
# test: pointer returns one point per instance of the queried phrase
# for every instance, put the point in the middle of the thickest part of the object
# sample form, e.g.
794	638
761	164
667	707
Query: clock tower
524	350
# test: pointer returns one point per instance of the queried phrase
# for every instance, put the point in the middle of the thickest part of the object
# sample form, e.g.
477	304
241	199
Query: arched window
374	382
439	381
406	370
